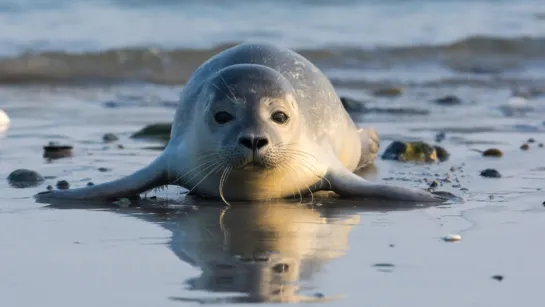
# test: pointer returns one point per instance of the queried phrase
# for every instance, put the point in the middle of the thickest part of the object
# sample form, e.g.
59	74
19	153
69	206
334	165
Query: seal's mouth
252	165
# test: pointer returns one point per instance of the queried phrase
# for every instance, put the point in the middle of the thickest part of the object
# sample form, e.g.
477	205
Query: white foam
4	121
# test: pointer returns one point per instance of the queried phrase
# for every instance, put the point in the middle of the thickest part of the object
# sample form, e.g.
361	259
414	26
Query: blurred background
422	41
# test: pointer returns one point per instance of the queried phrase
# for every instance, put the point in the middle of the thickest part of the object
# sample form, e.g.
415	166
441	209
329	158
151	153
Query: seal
258	122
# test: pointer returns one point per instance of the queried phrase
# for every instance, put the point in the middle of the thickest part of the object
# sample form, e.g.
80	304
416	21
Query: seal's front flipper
144	179
348	184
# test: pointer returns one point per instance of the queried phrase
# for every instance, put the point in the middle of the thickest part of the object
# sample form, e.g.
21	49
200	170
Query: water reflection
262	252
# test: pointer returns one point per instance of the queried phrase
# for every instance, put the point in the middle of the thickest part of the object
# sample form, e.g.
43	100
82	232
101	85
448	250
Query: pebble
353	105
498	277
4	121
389	92
452	238
49	187
57	151
439	137
490	173
90	184
540	145
531	140
103	169
63	185
24	178
109	137
492	152
525	147
449	100
442	154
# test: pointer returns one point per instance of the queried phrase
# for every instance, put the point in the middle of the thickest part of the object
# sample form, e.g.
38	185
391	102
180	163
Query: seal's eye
280	117
223	117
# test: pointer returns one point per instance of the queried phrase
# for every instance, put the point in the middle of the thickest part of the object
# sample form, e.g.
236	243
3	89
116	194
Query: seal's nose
253	143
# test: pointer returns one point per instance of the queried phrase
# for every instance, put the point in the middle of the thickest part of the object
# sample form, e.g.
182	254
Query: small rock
388	92
103	169
452	238
90	184
49	187
525	147
490	173
442	154
449	100
392	245
384	265
497	277
120	146
531	140
434	184
540	145
439	137
24	178
63	185
353	105
57	151
492	152
109	137
410	151
160	131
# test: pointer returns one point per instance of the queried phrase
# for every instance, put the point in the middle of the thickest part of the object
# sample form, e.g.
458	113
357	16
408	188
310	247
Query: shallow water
339	253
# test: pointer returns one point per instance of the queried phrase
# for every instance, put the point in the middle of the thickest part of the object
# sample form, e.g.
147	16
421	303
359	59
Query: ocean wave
477	54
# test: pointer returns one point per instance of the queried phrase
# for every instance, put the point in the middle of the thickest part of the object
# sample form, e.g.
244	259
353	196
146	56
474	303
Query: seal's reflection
263	250
259	252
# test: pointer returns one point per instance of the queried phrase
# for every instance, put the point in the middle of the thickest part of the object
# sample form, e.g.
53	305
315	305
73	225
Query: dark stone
109	137
353	105
439	137
497	277
442	154
525	147
103	169
90	184
449	100
24	178
57	151
63	185
160	131
410	151
492	152
531	140
490	173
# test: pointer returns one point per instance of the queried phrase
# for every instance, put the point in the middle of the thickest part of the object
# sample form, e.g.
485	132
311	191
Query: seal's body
258	122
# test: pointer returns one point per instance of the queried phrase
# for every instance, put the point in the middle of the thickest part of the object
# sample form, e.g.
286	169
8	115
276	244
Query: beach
71	72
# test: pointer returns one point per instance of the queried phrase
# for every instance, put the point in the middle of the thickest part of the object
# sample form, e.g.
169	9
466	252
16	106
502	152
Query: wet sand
346	253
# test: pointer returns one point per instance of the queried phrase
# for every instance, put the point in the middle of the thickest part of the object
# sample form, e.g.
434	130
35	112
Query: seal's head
251	112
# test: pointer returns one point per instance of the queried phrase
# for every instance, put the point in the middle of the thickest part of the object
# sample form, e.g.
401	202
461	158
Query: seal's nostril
261	142
246	142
